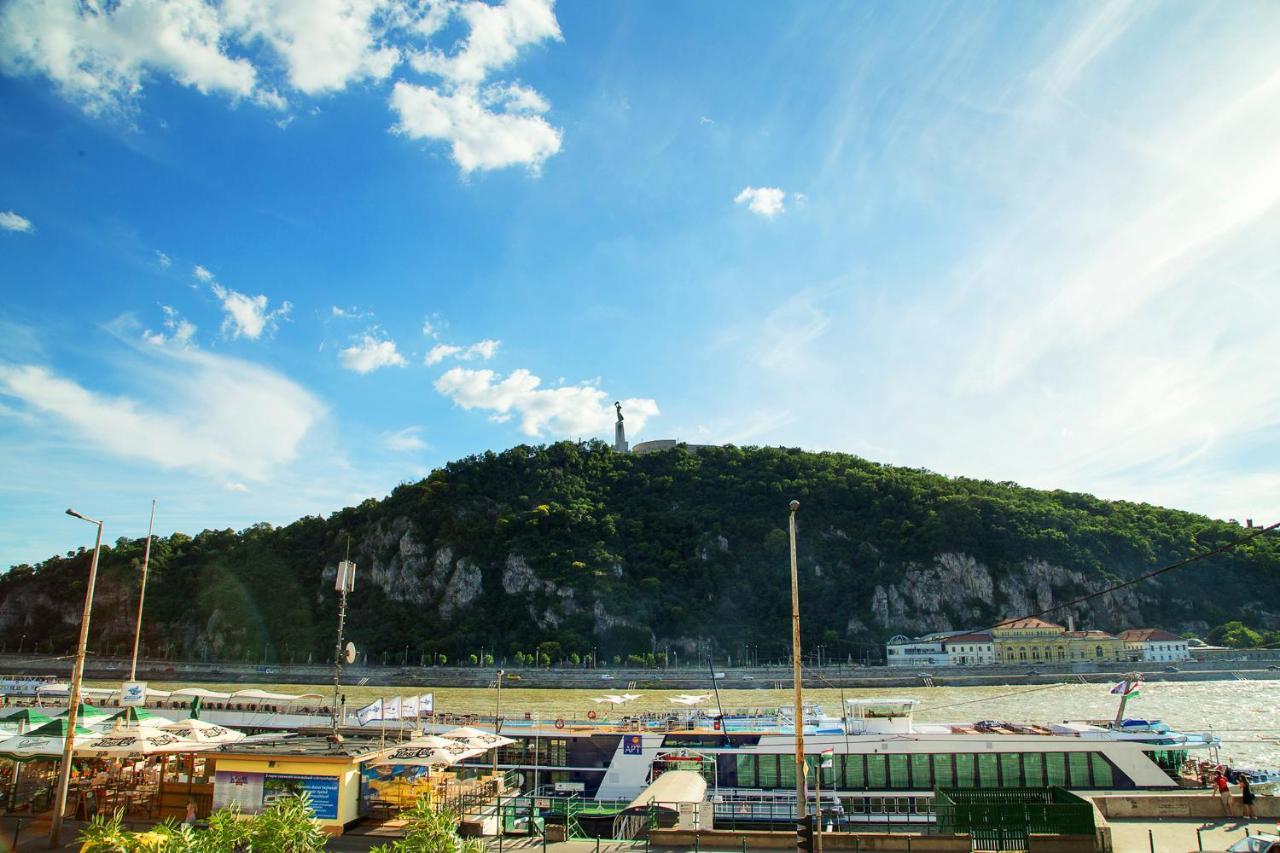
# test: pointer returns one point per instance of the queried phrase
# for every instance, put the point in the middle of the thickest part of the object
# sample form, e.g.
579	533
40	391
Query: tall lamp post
142	596
802	807
497	719
77	674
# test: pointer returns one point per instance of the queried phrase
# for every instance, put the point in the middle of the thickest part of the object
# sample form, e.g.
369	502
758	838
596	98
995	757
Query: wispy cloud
186	411
407	440
10	221
178	330
482	350
248	316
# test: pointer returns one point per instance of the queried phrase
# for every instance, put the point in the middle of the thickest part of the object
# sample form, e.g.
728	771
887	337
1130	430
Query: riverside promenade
1256	668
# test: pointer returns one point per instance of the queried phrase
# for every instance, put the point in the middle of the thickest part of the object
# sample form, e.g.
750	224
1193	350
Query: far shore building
1153	644
1033	640
928	650
973	649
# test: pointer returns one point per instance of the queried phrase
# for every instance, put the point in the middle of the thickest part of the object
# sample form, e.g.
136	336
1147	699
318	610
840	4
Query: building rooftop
1148	635
976	637
1028	622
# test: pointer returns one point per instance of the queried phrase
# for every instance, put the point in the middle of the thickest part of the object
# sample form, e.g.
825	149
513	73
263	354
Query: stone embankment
619	679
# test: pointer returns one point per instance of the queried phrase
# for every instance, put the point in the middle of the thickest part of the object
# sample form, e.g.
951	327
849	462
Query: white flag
391	708
370	712
426	704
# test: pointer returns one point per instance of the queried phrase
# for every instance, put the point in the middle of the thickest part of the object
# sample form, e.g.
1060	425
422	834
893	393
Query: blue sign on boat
632	745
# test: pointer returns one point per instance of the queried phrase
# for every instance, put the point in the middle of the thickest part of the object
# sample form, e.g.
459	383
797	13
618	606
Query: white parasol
44	742
476	738
139	740
690	699
426	756
200	731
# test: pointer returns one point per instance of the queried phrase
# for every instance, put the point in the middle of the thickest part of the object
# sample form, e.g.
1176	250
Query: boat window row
541	752
934	770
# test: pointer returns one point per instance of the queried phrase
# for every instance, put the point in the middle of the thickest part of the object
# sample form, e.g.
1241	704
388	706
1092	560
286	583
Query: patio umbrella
85	714
476	738
426	756
138	740
132	717
44	742
24	719
201	732
431	742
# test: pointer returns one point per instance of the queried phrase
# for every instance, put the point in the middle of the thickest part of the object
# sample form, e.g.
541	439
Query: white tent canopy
267	696
192	692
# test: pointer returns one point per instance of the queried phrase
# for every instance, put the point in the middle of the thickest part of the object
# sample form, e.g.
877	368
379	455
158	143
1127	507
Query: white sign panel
133	693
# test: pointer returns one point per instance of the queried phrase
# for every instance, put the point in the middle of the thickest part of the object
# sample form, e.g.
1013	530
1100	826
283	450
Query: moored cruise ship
876	747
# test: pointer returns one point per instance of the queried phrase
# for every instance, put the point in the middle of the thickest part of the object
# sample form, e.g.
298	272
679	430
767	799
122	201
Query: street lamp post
77	674
802	807
142	595
497	720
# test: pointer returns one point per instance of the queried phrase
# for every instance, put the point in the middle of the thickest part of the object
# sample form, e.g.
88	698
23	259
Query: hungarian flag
1127	689
826	756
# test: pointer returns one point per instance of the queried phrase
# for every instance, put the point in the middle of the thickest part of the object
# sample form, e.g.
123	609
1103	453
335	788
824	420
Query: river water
1245	714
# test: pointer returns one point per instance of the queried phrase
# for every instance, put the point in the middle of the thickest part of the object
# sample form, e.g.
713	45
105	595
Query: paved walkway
1169	835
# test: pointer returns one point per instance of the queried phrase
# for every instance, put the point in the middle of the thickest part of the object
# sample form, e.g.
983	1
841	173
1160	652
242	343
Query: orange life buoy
559	724
716	725
591	715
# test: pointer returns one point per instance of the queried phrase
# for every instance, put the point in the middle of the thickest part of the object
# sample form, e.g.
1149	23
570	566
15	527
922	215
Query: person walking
1246	797
1223	788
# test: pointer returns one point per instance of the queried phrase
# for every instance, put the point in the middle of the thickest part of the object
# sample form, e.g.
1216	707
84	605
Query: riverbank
619	679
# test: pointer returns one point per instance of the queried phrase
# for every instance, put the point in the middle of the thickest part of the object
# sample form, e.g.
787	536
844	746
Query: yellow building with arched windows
1033	640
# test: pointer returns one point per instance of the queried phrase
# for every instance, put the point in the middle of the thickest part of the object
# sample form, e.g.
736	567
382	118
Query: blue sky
266	259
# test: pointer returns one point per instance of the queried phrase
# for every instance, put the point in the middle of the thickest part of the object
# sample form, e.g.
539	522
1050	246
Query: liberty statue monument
619	431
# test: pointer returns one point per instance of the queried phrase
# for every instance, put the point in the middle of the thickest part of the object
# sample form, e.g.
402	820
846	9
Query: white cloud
487	125
569	410
202	273
483	350
325	44
163	260
11	221
233	486
99	54
496	34
486	128
763	201
407	440
352	313
370	354
180	331
248	316
191	410
428	329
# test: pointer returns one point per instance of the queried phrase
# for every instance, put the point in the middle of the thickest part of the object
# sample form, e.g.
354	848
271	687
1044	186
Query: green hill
582	548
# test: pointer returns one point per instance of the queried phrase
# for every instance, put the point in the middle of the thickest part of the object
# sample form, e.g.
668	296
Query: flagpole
817	789
142	594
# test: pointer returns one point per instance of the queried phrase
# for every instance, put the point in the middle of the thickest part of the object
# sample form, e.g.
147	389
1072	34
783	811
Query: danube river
1245	714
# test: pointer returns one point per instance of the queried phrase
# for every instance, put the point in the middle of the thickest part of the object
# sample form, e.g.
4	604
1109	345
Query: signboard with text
252	792
133	694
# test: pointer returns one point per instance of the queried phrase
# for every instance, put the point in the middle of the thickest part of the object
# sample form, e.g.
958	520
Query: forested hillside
574	547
